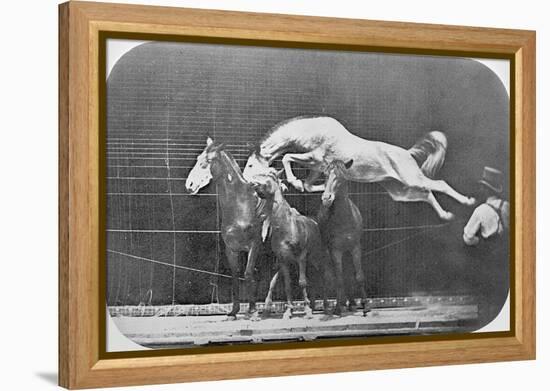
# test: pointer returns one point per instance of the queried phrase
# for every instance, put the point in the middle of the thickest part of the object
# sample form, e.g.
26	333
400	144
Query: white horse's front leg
305	159
309	186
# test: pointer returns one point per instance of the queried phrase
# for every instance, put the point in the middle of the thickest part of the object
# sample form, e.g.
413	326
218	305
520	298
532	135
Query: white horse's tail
431	151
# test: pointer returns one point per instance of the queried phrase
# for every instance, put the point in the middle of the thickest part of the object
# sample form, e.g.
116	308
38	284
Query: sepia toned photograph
261	195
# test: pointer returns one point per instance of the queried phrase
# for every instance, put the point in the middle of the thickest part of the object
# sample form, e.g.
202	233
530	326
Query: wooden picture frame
82	361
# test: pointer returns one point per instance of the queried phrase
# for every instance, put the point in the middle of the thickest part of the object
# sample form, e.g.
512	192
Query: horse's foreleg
312	177
443	187
327	276
249	278
302	266
360	276
286	276
304	159
337	261
269	297
233	260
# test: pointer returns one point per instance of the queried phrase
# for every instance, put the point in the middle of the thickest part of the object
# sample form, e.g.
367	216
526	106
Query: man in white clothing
491	218
486	237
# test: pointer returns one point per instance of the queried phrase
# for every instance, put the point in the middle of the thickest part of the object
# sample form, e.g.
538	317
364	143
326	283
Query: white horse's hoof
298	185
309	313
231	317
470	201
255	317
448	216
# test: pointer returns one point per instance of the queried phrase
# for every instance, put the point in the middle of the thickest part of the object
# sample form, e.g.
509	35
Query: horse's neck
340	208
342	197
281	209
230	180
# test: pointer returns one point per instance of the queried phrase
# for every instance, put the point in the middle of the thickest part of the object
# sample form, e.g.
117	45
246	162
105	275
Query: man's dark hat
492	178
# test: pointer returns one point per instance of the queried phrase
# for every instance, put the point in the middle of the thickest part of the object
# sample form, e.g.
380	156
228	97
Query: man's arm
471	229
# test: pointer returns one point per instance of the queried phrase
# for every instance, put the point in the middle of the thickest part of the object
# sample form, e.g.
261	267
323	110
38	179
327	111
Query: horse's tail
430	150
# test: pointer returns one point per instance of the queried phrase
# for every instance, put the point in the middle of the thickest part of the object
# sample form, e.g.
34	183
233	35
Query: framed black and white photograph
247	183
245	188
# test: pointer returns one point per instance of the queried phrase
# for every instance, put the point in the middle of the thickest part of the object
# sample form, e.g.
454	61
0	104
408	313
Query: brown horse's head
266	185
336	177
256	165
201	174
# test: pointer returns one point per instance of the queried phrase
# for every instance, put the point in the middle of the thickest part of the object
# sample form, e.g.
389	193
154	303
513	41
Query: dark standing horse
341	228
240	220
294	238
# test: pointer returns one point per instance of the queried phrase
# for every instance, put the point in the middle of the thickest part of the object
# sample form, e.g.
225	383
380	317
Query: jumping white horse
315	142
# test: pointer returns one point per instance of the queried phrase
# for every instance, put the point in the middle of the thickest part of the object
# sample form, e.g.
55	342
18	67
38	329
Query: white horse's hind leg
443	187
400	192
443	214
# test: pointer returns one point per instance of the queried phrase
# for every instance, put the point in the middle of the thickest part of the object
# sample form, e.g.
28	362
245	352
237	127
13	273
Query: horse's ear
220	146
251	147
209	141
348	164
271	186
283	186
279	173
257	148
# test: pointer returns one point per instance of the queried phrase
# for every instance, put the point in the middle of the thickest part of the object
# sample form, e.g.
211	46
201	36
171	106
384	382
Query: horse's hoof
298	185
287	315
448	216
231	317
255	317
470	201
308	313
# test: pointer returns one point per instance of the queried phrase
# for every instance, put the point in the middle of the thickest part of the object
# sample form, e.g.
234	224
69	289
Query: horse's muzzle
192	188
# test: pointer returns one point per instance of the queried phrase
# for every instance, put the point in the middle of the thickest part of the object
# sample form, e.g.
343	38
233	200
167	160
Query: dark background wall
164	99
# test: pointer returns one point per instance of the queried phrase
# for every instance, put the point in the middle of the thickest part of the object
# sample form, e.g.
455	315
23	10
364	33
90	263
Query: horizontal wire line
160	194
213	194
121	166
198	145
184	155
184	231
172	265
134	178
186	133
183	150
134	148
403	228
146	158
379	229
401	240
172	141
194	152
